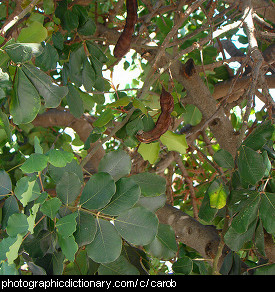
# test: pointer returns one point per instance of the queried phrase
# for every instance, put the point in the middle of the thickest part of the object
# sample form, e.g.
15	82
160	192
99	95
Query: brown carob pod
124	42
164	119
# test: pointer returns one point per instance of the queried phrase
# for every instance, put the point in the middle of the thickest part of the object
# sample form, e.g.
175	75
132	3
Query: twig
115	129
258	61
190	184
18	17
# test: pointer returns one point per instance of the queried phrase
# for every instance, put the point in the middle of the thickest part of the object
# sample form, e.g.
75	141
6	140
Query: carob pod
164	119
124	42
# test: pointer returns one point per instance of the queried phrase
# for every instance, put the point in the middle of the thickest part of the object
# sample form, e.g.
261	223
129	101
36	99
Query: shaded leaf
118	267
116	163
17	223
106	247
151	184
164	246
85	228
68	188
127	194
25	97
183	265
51	207
5	183
250	165
97	191
51	93
138	226
66	225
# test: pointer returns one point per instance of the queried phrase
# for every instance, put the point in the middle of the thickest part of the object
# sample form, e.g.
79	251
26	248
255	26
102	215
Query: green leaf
174	142
66	225
5	184
207	213
250	165
267	211
8	269
59	158
88	75
116	163
4	124
106	247
25	97
17	223
58	40
98	191
266	270
51	93
150	183
96	51
37	147
12	254
217	195
104	118
236	240
164	246
23	52
27	189
10	207
149	151
127	194
51	207
247	214
139	105
68	188
70	20
48	6
56	173
74	101
192	115
5	245
138	226
152	203
34	33
123	101
260	136
88	28
68	246
224	159
48	59
183	265
85	228
118	267
36	162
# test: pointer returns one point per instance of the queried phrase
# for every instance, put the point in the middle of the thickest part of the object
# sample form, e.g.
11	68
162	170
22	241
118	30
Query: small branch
190	184
18	17
113	131
258	61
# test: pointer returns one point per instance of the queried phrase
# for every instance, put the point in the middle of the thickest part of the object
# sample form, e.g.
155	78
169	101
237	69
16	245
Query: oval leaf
68	188
98	191
25	97
116	163
127	194
106	247
138	226
36	162
150	183
174	142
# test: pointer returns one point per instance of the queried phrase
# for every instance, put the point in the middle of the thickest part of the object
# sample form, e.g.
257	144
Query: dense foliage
80	194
